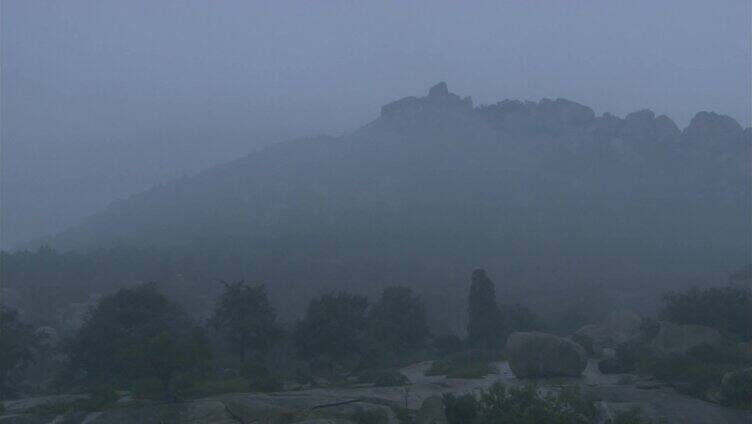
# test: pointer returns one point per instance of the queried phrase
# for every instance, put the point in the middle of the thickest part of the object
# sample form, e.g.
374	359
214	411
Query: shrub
728	309
261	378
468	364
737	389
447	344
630	416
520	405
147	388
460	410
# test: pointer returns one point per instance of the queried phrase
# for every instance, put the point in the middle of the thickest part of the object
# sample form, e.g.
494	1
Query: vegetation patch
518	405
468	364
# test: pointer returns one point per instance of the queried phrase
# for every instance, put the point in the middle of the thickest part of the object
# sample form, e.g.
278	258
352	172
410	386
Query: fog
104	99
376	213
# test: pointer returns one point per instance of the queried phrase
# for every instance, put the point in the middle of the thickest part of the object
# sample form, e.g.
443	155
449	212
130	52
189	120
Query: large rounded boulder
675	338
540	355
619	327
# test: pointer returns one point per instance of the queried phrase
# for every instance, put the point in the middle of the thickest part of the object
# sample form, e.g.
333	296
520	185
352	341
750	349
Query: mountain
541	192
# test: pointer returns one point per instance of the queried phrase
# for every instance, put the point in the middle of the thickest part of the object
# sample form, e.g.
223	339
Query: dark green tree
18	344
485	325
137	333
398	320
333	326
245	318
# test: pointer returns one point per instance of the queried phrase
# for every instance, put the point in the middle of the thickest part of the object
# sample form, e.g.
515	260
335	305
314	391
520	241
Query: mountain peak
439	90
438	96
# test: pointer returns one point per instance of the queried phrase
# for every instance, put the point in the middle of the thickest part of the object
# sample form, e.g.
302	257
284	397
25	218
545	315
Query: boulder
675	338
736	388
534	354
619	327
431	411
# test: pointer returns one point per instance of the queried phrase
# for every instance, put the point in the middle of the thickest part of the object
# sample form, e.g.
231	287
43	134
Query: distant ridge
434	186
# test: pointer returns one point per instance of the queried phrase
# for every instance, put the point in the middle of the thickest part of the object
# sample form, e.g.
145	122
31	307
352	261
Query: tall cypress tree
485	327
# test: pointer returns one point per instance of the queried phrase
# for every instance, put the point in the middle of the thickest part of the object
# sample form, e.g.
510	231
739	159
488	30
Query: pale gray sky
101	99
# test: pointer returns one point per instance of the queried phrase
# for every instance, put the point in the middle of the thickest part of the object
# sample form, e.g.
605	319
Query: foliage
48	280
468	364
18	343
728	309
245	318
737	389
447	344
630	416
460	410
333	326
518	317
397	322
697	372
520	405
137	333
485	327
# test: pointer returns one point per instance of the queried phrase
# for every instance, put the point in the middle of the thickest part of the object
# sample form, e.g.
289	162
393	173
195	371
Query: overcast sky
102	99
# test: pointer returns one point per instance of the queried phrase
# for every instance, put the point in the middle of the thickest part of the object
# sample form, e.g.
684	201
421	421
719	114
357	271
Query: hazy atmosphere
103	99
376	213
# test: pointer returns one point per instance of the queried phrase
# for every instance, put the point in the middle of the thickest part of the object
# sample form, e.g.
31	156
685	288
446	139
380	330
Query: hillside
540	192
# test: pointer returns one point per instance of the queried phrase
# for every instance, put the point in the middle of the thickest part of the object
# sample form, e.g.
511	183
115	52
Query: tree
485	325
245	318
137	333
398	320
333	326
18	343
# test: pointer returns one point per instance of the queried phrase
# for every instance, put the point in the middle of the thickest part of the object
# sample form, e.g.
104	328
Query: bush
460	410
260	378
447	344
468	364
728	309
631	416
737	389
520	405
147	388
697	372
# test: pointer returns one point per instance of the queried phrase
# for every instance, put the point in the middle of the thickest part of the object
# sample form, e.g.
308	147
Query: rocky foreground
368	404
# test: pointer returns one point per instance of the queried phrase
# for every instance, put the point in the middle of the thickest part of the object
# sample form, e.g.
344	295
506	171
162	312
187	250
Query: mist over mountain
545	194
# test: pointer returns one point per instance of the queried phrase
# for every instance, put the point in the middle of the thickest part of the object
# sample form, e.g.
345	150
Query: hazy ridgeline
364	258
572	213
